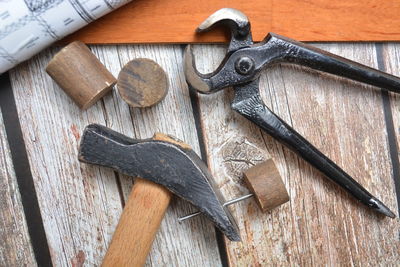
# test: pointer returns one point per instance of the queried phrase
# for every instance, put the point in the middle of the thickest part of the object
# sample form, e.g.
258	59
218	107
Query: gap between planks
15	249
322	225
80	204
311	230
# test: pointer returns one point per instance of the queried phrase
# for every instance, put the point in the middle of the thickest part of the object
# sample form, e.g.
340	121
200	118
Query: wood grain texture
323	225
138	225
142	83
391	64
15	248
80	74
81	204
174	21
265	182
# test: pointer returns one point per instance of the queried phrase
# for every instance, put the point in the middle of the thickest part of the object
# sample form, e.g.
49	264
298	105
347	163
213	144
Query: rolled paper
29	26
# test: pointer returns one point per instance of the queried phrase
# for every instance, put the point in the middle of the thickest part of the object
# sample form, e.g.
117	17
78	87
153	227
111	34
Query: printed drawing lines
40	6
83	13
28	26
5	55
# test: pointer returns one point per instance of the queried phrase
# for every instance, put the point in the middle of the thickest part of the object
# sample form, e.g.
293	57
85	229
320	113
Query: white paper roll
29	26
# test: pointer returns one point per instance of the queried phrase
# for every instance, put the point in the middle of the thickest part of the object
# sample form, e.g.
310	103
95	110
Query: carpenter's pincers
241	68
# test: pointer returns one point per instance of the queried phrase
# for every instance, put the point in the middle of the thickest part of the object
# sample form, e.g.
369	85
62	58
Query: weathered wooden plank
176	244
391	61
15	248
346	121
322	225
81	204
391	64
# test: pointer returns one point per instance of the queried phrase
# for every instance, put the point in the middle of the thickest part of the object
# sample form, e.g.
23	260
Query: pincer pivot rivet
244	65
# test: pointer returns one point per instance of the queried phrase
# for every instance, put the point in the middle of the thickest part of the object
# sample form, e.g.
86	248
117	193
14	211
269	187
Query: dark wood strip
23	173
393	149
196	114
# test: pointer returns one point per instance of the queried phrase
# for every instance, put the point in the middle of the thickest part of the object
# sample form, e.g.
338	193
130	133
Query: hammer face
170	164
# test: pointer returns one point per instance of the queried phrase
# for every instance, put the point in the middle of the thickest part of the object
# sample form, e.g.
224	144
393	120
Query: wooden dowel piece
142	83
80	74
267	185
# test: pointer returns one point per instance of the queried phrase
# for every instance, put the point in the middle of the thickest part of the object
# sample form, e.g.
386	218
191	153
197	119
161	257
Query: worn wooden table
71	217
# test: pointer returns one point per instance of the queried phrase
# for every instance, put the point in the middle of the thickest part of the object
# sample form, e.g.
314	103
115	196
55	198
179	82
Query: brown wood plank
174	21
81	204
15	249
322	225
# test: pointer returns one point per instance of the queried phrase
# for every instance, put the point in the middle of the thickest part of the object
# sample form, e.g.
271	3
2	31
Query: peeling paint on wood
78	260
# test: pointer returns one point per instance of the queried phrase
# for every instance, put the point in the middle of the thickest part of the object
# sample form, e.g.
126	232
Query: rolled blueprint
28	26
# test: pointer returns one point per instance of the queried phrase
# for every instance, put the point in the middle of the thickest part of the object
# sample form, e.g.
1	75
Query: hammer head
162	160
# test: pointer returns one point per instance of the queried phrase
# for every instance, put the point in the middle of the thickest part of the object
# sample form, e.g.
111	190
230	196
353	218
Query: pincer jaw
236	21
380	207
195	79
239	25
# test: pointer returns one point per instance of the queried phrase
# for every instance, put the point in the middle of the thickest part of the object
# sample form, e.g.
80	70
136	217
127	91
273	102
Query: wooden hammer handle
138	225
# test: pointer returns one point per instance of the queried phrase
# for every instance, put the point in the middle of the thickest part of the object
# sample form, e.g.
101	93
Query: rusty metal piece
142	83
163	161
241	69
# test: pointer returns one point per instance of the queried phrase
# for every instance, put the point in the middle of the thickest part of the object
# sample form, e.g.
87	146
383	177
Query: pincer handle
255	110
315	58
261	115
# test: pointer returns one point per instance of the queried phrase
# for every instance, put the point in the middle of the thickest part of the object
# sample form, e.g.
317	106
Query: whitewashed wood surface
322	225
15	248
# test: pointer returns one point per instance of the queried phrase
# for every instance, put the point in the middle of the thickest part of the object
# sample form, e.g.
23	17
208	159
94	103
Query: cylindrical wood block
267	185
80	74
138	225
142	83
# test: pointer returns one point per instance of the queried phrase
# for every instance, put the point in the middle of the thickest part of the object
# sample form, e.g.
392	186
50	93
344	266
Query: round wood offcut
80	74
266	184
142	83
